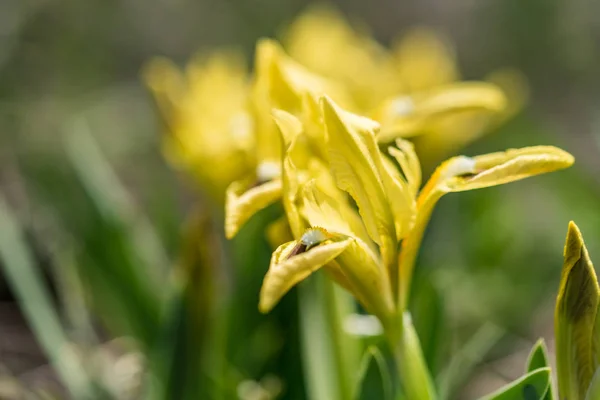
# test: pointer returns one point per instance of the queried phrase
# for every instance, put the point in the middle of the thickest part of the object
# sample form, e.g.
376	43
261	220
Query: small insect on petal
314	236
311	238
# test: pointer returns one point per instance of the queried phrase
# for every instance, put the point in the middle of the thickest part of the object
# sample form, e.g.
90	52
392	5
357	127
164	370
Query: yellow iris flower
359	246
218	117
283	83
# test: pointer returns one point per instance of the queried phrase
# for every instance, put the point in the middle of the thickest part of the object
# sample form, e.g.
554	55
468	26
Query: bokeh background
71	96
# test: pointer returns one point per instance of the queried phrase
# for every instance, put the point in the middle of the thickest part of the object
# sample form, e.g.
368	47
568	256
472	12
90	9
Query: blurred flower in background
210	131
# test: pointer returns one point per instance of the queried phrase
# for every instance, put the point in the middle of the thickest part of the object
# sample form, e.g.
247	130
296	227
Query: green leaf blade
374	380
538	357
532	386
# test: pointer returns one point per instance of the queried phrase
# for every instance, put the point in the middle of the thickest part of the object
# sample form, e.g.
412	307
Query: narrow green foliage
412	368
318	353
117	251
179	350
37	305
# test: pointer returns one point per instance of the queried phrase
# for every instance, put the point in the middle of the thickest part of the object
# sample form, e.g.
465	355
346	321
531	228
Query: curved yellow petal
407	116
461	96
575	315
384	202
447	133
282	90
466	173
286	80
355	172
509	166
285	271
280	83
244	200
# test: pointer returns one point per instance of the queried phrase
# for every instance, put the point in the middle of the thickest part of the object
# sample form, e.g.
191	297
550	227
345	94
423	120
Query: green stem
346	348
327	374
411	366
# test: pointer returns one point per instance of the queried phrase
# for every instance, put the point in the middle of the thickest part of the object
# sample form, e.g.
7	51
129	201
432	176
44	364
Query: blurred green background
105	219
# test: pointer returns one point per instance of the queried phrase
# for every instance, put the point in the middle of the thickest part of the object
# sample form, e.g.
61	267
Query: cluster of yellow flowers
323	128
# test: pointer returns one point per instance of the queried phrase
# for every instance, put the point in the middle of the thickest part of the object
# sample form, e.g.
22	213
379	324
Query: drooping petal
448	133
244	200
509	166
575	315
407	116
285	271
465	173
